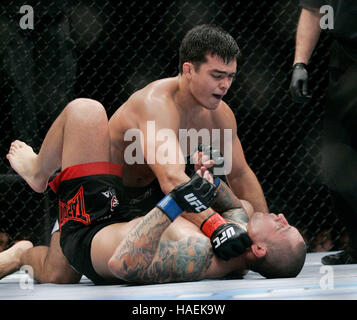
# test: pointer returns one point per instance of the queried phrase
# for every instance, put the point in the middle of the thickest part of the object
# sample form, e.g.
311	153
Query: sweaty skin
192	100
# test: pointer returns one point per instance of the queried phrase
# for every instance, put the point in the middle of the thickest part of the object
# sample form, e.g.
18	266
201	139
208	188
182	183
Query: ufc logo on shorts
223	237
193	201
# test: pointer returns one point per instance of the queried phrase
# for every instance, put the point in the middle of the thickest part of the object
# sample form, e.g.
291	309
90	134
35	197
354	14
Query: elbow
120	268
117	268
240	173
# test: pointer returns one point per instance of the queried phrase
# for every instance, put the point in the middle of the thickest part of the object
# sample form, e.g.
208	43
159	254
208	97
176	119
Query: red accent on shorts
212	223
74	209
86	169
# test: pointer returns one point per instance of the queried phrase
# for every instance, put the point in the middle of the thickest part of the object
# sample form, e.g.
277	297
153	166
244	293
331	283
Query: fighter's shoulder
153	97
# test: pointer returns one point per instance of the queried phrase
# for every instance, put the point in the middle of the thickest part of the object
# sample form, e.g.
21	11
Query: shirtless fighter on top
191	101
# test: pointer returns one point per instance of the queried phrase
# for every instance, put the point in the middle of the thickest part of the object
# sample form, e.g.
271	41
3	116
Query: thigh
49	263
56	265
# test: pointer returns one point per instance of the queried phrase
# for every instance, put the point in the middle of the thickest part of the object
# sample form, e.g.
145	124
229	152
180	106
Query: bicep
184	260
232	150
235	159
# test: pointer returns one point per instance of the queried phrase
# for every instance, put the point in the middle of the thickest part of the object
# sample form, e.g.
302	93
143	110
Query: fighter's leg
49	264
80	134
10	259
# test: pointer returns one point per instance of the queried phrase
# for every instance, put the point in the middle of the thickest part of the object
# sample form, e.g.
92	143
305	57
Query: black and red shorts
90	197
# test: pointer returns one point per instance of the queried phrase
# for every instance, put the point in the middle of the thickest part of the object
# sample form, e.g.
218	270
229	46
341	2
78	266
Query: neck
184	98
235	266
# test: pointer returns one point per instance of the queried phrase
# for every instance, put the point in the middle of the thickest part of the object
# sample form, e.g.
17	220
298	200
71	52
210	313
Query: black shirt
345	21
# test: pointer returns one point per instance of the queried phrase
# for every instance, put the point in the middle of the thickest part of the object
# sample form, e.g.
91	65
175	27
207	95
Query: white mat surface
315	282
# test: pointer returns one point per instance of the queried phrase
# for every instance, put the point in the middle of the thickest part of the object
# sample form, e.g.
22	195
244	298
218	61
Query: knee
86	108
59	274
125	267
116	267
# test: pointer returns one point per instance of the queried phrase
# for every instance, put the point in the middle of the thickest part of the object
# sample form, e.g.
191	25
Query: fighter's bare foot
10	259
23	160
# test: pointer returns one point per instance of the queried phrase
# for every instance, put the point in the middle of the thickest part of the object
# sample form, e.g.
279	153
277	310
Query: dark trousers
339	155
39	68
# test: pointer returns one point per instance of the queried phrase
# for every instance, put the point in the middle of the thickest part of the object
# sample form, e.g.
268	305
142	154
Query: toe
17	144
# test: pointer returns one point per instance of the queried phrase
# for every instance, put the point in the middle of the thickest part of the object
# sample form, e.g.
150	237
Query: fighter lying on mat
152	253
96	240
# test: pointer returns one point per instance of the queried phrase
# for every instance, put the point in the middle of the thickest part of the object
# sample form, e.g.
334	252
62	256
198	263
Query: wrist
211	224
217	181
301	65
169	206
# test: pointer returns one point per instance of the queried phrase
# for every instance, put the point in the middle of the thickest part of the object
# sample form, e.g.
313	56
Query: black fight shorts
90	197
142	199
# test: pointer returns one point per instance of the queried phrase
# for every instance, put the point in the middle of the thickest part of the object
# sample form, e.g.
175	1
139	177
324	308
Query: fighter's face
211	81
275	227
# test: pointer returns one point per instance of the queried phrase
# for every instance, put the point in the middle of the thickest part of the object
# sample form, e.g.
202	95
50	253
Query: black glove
299	84
228	239
195	195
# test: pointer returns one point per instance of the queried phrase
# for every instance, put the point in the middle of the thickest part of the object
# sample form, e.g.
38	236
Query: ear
187	69
259	250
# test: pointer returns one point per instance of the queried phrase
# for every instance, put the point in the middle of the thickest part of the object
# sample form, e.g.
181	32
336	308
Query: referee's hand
299	83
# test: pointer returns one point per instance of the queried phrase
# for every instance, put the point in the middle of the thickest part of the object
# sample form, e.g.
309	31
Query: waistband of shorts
84	170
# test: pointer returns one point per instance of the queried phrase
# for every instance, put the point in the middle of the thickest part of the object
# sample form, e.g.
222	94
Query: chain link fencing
105	50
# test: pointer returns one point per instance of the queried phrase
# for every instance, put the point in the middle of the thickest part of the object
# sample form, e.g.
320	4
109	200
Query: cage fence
106	50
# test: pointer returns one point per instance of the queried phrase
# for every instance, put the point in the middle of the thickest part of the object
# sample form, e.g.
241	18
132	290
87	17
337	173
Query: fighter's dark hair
207	39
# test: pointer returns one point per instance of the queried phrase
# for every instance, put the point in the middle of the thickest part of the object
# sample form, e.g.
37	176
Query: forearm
173	178
230	207
307	35
135	254
227	204
226	199
170	177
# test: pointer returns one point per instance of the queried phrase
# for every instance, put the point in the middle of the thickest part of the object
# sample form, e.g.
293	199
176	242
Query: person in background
339	154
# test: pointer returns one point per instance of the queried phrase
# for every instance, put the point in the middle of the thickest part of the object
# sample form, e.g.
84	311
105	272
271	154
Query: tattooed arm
144	258
229	206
